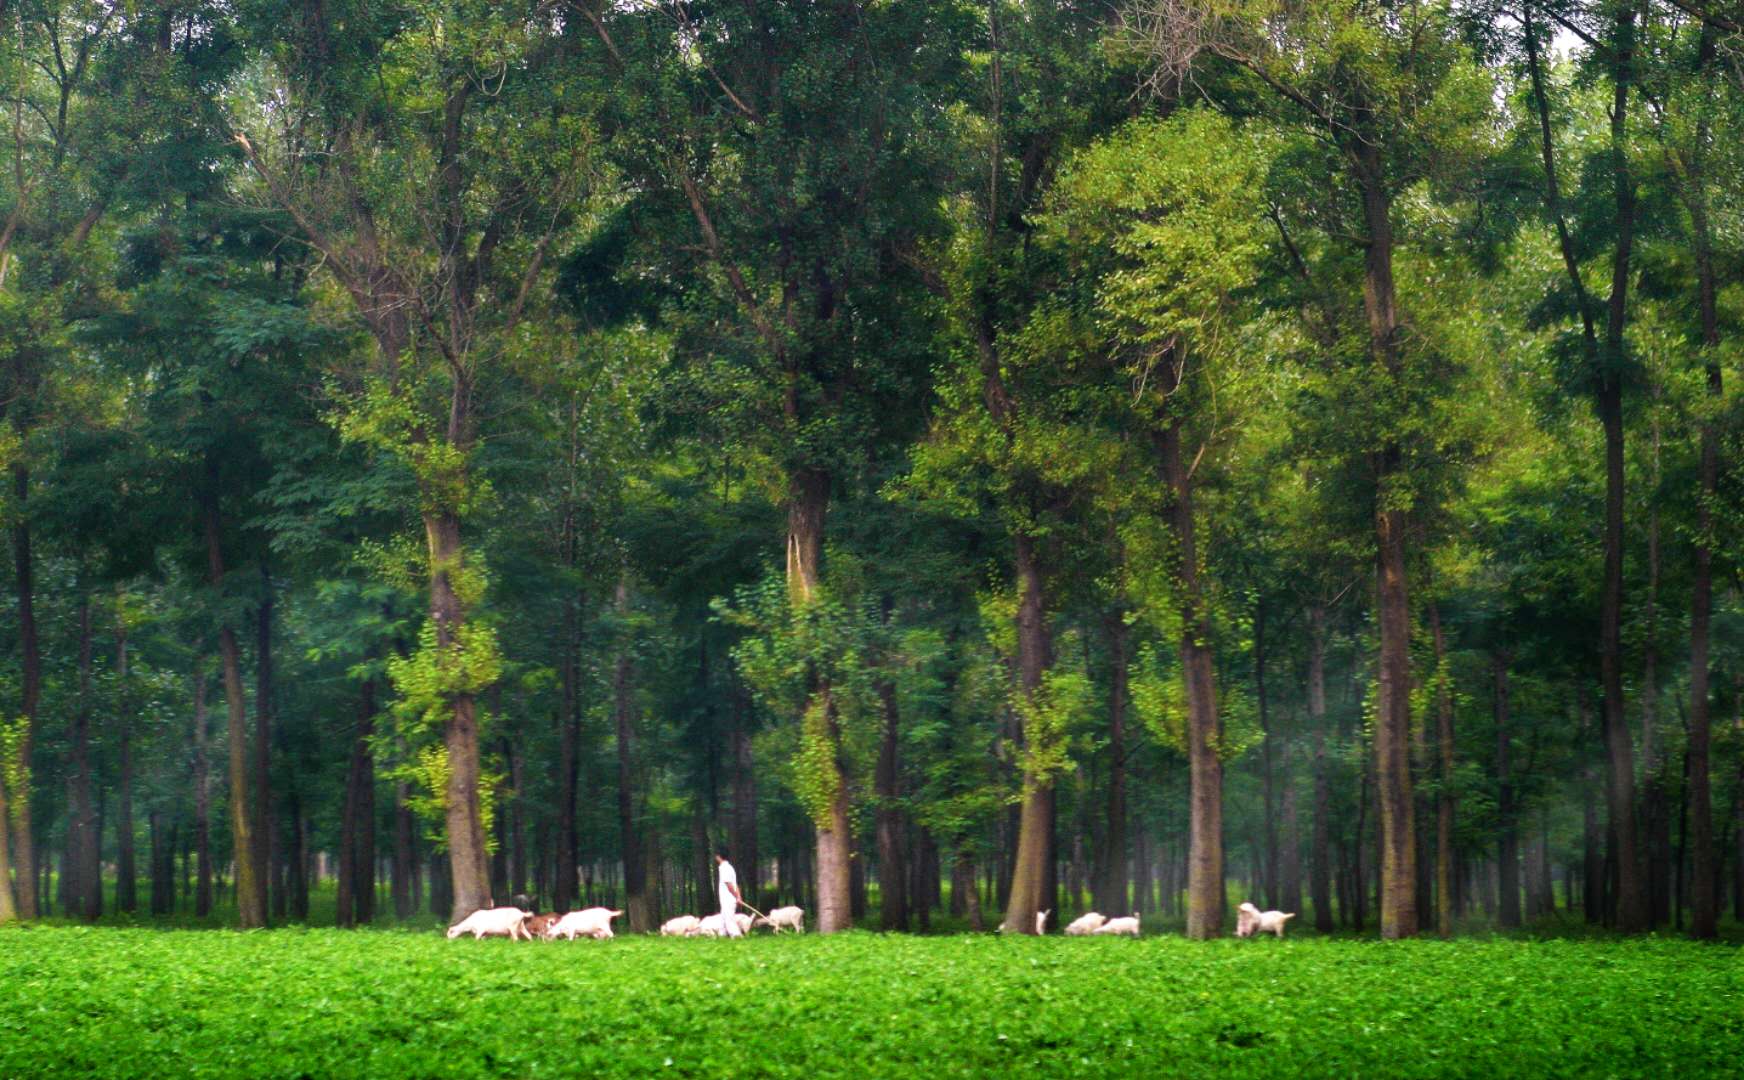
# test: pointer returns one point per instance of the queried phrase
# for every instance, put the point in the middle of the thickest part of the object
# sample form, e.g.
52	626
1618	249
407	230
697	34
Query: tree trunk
126	869
8	907
1029	874
1398	835
1111	889
1655	799
250	904
808	501
963	882
263	718
1320	853
892	856
404	869
468	867
1268	765
84	831
565	871
1592	855
163	865
1444	802
1507	824
1205	893
1290	858
1632	911
30	661
1704	864
356	899
641	913
202	798
748	858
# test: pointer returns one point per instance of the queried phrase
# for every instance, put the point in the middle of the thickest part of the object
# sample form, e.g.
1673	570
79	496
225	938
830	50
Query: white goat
1087	923
487	922
682	926
1127	926
594	922
790	917
1250	920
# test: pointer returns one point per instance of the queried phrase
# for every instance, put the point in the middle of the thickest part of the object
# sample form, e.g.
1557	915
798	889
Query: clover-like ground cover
103	1002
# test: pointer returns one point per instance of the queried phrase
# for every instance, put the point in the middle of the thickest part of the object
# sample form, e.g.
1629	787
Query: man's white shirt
728	877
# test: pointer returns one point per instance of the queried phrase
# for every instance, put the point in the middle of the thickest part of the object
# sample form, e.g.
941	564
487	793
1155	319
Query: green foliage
111	1003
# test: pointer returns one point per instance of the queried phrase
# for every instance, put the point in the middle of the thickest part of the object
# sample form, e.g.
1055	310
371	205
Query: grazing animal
1250	920
793	918
713	926
540	925
1087	923
487	922
681	926
593	922
1127	926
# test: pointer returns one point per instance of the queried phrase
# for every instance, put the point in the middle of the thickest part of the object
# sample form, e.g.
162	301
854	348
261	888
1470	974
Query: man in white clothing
730	895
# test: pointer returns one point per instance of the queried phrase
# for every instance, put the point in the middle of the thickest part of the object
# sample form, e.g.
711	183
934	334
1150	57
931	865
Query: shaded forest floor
112	1002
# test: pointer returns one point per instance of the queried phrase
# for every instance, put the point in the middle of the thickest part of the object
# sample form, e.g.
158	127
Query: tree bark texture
1205	894
1029	876
468	866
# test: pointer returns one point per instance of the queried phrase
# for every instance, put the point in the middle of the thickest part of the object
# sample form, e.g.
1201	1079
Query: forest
969	458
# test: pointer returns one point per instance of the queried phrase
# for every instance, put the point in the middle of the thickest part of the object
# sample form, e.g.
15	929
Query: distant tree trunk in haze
202	798
1507	823
1655	798
24	858
1290	858
564	869
1268	763
250	904
84	832
126	868
747	857
1111	889
1704	861
641	912
893	878
356	897
1444	802
404	869
263	724
964	884
1604	361
1320	848
162	855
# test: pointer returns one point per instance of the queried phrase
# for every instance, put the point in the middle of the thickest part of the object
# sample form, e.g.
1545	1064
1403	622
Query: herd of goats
596	923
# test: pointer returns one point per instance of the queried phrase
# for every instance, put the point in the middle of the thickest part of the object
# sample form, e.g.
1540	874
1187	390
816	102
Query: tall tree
1606	361
791	144
441	282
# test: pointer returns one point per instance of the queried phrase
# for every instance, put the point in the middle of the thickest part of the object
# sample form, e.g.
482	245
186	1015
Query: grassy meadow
115	1002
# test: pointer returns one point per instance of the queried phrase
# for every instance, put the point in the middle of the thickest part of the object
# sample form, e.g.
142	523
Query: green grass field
103	1002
